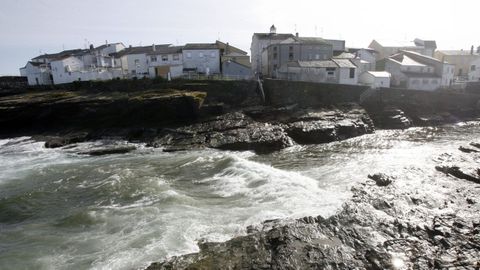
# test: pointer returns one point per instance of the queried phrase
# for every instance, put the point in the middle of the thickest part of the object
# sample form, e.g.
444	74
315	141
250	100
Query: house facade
165	62
375	79
202	58
295	49
260	42
465	62
339	71
37	73
385	49
412	70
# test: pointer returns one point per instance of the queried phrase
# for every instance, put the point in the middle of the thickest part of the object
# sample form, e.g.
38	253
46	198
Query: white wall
344	76
202	60
374	81
137	65
426	84
36	74
62	70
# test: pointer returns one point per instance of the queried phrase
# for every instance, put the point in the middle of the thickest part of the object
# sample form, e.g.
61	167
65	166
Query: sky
32	27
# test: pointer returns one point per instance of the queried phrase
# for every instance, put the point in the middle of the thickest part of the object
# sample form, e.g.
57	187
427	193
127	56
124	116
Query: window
212	54
274	49
352	73
189	55
434	81
153	58
290	48
200	54
176	57
473	67
275	67
415	81
134	72
164	58
290	56
331	71
137	62
274	56
317	56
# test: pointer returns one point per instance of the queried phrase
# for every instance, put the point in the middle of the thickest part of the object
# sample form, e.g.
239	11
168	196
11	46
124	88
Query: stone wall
280	93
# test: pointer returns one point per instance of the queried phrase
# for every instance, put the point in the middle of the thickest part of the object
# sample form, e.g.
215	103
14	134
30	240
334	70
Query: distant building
412	70
201	58
37	73
385	49
236	71
466	62
294	49
74	65
134	61
375	79
341	71
365	59
260	41
165	62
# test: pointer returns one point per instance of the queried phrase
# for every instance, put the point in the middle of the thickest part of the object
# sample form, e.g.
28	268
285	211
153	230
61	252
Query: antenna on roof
218	35
63	47
316	34
295	28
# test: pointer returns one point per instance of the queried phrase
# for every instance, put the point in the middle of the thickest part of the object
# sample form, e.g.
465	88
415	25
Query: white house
73	65
202	58
412	70
385	49
341	71
134	61
37	73
375	79
260	41
166	62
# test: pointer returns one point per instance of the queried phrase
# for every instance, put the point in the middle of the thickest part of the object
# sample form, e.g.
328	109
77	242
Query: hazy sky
28	27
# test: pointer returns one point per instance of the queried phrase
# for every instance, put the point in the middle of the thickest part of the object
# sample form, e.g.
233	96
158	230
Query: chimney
91	47
153	47
478	49
273	29
296	34
106	42
471	50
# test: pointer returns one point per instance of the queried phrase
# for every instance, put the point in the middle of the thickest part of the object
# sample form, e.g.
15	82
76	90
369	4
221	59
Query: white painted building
37	73
412	70
260	42
474	70
375	79
341	71
201	58
385	49
166	62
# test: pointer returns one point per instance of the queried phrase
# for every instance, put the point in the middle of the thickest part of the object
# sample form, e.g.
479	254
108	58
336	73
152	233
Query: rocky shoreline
388	224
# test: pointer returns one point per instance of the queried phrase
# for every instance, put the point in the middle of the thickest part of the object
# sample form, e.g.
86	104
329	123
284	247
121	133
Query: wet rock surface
266	129
382	227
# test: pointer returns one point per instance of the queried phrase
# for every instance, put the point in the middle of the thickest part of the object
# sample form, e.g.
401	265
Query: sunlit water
62	210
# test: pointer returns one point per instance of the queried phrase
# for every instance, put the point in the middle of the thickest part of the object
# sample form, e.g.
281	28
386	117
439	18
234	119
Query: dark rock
110	150
477	145
471	201
458	173
381	179
60	141
467	150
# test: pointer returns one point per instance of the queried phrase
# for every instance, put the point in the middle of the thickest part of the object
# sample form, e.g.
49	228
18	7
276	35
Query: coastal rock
467	150
109	150
232	131
459	173
381	179
394	118
60	141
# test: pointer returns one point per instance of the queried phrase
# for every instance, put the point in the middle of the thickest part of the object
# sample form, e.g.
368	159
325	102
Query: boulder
381	179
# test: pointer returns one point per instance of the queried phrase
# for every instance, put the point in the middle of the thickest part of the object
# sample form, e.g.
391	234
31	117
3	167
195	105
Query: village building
37	73
466	62
375	79
385	49
235	63
339	71
294	49
260	42
201	58
134	61
165	62
412	70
